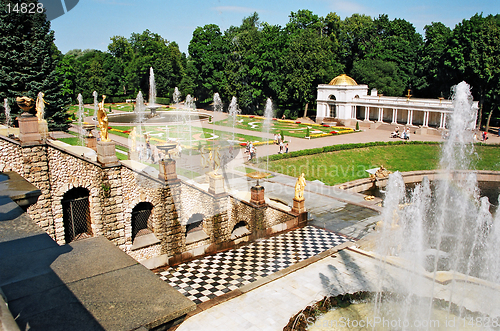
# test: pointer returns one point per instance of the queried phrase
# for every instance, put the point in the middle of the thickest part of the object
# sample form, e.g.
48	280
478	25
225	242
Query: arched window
141	223
194	229
195	223
76	214
333	107
240	230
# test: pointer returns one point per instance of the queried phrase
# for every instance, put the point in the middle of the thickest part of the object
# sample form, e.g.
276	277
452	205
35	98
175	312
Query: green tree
28	63
434	79
208	50
243	73
382	75
308	60
473	54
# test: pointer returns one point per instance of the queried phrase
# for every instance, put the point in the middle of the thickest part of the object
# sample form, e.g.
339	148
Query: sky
91	23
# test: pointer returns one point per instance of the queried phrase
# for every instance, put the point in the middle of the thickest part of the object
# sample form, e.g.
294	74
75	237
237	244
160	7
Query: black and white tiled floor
206	278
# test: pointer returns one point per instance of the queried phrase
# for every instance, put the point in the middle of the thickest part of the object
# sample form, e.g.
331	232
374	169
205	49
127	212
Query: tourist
395	133
252	153
407	134
281	147
286	148
283	117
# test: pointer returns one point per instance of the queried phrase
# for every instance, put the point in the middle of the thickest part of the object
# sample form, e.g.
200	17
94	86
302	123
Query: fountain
233	110
6	108
139	116
152	93
190	105
96	103
268	116
80	118
176	96
447	234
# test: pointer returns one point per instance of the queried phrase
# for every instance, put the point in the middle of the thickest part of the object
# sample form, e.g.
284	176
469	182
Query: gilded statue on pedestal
133	139
24	103
300	186
215	159
40	106
103	120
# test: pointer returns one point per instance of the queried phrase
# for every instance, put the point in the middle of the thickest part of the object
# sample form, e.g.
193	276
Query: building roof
343	80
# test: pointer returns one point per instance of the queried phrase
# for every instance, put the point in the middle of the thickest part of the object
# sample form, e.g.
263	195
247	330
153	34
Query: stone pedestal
215	183
167	170
298	206
133	155
257	195
106	153
91	142
28	129
43	129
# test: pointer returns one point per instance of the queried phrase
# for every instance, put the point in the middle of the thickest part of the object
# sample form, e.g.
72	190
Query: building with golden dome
345	101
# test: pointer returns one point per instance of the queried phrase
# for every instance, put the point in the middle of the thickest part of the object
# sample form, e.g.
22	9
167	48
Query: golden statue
204	162
25	103
40	106
103	120
215	159
300	186
133	139
381	173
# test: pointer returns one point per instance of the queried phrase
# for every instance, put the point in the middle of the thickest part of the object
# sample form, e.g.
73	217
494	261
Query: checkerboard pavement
204	279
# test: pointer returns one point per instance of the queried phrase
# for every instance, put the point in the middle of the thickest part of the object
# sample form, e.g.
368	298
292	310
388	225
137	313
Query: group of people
405	134
251	150
278	141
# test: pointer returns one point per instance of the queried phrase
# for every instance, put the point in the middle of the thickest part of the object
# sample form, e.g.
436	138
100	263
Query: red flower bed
326	125
333	132
297	122
275	119
243	144
126	131
251	116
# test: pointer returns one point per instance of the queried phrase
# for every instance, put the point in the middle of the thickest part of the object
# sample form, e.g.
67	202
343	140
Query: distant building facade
345	101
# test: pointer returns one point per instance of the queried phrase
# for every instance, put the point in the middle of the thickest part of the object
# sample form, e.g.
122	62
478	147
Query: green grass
74	141
347	165
289	129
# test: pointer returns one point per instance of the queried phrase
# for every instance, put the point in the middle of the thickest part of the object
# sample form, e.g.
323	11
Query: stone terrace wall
138	187
115	191
31	162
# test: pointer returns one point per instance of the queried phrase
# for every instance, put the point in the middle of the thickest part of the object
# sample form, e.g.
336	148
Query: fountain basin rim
415	176
163	117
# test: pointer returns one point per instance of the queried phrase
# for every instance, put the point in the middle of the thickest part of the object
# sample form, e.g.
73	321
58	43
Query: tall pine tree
28	59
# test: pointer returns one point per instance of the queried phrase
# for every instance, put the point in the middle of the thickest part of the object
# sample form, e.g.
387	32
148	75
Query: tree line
257	60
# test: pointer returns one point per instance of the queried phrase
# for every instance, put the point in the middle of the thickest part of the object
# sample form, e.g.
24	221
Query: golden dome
343	80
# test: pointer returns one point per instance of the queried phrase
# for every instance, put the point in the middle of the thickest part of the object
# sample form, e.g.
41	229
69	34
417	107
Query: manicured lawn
290	128
347	165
